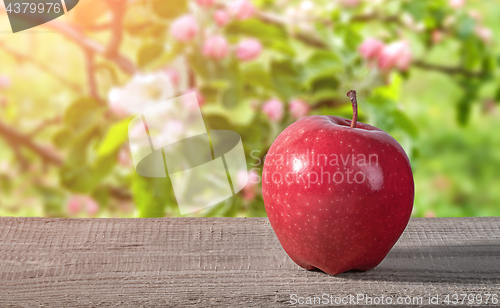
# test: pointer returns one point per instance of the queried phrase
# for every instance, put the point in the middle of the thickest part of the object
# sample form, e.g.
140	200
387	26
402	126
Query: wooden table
230	262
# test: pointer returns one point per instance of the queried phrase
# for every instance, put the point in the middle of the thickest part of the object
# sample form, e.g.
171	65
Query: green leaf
108	70
464	105
489	66
231	96
471	53
169	9
52	199
199	65
83	170
213	91
463	111
326	83
401	120
281	46
285	78
166	57
148	53
83	112
141	29
61	138
102	195
322	64
253	27
255	135
352	38
417	9
153	195
497	95
392	91
324	95
83	178
217	121
466	26
116	135
256	75
242	114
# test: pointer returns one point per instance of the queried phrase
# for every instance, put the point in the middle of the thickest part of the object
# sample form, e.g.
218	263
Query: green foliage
387	115
169	9
286	78
114	138
153	196
267	33
148	53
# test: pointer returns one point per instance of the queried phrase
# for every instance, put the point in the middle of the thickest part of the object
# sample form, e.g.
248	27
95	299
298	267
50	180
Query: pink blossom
437	36
3	102
484	34
248	49
184	28
273	109
298	108
242	9
397	54
4	82
73	206
78	203
114	99
199	96
475	15
456	3
222	17
371	48
173	74
216	47
205	3
91	207
242	178
430	214
350	3
252	180
124	157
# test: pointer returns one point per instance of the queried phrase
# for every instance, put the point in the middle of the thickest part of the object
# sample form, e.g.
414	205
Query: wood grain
215	262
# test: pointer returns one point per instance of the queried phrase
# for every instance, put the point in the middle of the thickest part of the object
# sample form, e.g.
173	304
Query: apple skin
337	226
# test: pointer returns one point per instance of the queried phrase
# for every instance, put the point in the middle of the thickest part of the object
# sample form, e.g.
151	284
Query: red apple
338	193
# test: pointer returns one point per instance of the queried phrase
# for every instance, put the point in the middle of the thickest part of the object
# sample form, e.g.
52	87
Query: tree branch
308	38
47	69
90	68
42	125
314	41
118	8
377	17
18	139
119	193
447	70
88	44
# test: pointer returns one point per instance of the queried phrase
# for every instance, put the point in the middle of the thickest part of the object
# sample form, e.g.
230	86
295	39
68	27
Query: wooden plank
213	262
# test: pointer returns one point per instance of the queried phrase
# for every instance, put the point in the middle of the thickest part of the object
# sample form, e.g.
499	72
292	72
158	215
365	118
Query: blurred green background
425	71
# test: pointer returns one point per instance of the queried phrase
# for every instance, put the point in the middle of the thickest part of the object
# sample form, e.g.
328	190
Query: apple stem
352	96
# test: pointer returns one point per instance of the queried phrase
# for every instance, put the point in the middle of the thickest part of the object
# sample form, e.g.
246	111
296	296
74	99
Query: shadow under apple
467	263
